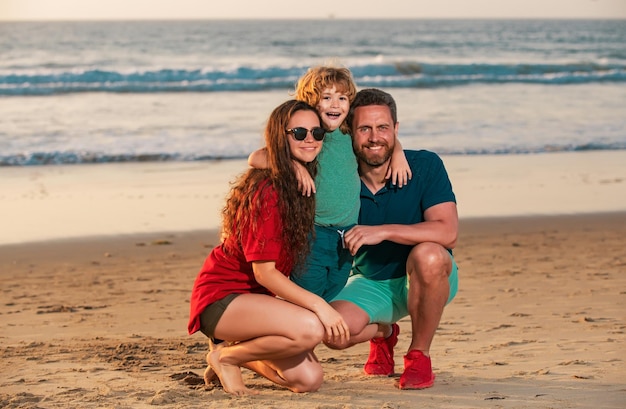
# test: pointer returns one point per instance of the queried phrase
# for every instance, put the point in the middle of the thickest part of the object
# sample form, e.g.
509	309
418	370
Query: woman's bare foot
209	374
230	375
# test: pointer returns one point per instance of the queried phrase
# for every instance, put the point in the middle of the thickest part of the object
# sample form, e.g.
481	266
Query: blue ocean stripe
401	74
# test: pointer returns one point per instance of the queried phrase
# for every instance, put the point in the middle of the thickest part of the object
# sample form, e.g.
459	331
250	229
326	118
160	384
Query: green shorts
385	301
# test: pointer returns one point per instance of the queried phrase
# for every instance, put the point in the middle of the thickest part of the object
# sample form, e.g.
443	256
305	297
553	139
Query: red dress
223	273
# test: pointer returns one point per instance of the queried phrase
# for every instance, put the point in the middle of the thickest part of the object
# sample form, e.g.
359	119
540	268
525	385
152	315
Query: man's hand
361	235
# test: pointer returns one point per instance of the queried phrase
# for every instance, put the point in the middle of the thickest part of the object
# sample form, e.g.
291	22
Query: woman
243	294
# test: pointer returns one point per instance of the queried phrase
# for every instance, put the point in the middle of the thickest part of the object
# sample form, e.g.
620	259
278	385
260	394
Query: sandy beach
54	202
97	264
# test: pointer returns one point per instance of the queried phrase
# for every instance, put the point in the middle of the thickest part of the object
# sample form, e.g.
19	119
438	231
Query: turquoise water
151	91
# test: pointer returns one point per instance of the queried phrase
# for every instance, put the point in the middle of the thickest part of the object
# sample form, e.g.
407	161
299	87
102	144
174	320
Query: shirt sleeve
438	187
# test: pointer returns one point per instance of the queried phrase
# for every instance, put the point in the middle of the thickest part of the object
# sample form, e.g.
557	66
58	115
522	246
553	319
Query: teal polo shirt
429	186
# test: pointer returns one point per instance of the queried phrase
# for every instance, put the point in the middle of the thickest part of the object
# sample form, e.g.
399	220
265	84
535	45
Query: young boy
337	185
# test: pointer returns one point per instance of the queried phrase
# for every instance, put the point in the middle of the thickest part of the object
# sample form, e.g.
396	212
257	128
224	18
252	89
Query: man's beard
374	159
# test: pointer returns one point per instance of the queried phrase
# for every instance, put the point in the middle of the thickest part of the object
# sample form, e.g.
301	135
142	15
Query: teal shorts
328	266
385	301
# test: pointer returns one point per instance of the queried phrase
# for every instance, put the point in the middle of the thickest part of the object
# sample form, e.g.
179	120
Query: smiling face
333	107
307	149
374	134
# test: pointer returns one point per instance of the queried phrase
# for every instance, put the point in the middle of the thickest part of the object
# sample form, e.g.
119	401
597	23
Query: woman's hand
268	276
337	330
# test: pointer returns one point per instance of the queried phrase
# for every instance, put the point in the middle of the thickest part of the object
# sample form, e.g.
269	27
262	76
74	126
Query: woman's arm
268	276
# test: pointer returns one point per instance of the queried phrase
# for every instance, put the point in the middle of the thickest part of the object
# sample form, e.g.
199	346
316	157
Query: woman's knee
310	331
309	379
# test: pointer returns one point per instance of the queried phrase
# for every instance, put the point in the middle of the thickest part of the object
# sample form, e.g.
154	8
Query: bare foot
209	374
230	375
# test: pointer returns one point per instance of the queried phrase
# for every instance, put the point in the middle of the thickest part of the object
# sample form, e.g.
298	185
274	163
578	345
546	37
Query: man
402	245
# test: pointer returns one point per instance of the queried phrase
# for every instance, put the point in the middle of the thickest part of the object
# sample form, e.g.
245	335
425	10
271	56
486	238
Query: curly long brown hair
310	86
245	202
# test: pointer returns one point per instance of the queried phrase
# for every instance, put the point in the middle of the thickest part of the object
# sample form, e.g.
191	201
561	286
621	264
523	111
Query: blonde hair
312	84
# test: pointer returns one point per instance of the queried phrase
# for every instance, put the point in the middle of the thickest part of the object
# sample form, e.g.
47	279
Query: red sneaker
418	372
380	360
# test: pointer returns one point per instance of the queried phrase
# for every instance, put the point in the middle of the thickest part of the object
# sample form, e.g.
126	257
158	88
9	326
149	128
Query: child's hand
306	184
399	170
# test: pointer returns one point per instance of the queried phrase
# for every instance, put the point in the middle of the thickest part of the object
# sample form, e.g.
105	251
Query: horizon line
329	18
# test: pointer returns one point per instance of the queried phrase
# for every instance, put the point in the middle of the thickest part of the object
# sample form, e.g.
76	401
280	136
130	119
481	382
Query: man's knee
355	317
429	261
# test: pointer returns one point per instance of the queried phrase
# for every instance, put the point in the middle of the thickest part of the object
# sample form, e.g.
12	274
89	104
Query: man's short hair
372	96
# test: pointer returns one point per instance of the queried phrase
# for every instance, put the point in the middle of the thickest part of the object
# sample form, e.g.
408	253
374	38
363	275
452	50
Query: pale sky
16	10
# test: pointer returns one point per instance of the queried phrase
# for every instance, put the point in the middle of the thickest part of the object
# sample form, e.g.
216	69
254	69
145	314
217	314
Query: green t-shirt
337	182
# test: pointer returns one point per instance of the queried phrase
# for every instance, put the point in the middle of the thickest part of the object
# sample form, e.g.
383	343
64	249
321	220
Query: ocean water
96	92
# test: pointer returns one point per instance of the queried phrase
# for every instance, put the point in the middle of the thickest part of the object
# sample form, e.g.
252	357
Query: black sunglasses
300	133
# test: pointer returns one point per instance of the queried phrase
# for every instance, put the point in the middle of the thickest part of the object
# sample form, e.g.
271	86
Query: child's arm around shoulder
258	159
399	170
306	184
